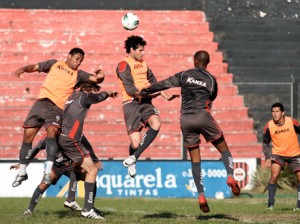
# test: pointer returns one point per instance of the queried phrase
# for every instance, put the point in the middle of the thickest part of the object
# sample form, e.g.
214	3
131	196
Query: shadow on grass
216	217
71	213
163	215
169	215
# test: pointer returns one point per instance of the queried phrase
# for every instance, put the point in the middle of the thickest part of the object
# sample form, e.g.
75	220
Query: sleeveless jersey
284	138
139	75
59	84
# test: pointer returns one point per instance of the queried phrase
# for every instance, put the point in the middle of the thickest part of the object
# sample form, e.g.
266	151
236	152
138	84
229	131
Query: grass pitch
147	210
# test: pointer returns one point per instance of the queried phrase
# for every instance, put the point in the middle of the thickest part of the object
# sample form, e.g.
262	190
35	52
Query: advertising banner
162	179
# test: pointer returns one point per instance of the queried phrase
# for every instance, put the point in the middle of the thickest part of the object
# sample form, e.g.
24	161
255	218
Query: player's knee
135	144
52	132
155	122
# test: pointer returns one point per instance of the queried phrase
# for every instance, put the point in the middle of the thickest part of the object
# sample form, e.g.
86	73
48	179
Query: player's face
74	61
138	53
277	114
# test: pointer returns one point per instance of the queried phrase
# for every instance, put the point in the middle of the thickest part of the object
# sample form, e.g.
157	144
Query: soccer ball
130	21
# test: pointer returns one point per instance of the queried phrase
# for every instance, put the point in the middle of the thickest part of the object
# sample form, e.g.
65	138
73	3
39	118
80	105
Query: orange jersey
133	76
284	138
59	84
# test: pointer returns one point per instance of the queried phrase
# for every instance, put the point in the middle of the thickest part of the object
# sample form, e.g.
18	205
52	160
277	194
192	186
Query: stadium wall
289	9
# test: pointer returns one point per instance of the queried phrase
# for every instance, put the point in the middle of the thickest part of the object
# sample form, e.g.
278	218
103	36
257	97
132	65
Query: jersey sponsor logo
60	67
281	131
197	82
137	66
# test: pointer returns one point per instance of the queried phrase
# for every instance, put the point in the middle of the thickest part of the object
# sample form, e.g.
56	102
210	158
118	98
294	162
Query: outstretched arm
28	69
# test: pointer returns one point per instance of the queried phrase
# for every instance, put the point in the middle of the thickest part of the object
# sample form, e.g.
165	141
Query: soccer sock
298	196
23	153
147	139
95	190
89	189
196	171
228	161
51	153
37	195
49	165
271	193
131	150
72	187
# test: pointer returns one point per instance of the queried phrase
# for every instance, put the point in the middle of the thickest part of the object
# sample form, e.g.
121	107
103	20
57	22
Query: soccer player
62	166
70	139
198	90
133	75
62	78
282	131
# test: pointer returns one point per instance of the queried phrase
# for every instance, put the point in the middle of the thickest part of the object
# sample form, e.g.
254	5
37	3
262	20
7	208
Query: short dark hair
134	42
277	104
76	50
89	87
202	57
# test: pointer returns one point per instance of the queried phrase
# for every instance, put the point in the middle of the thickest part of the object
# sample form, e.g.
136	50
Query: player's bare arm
28	69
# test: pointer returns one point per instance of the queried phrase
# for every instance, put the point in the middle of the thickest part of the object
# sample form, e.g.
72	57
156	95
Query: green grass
145	210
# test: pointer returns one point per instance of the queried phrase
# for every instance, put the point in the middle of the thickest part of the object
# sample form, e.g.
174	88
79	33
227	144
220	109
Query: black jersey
198	89
76	108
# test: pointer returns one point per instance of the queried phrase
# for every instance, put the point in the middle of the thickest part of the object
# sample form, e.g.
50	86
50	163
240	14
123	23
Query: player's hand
19	72
268	163
112	94
172	97
15	166
99	165
100	75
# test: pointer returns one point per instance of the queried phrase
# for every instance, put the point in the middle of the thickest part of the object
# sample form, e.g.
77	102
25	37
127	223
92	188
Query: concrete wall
253	8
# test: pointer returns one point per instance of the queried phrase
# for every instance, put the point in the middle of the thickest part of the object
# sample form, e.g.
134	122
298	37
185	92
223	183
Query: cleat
132	170
72	205
91	214
129	161
27	212
235	189
203	204
19	179
270	206
47	179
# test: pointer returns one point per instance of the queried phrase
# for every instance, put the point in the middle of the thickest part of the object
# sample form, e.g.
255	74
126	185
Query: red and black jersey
76	109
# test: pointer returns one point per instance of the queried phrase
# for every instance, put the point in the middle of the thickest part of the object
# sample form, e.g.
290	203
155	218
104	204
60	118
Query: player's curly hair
76	50
134	42
89	87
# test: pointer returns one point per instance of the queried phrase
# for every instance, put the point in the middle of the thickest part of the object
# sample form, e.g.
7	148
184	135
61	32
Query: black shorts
294	162
136	114
75	151
43	112
192	125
